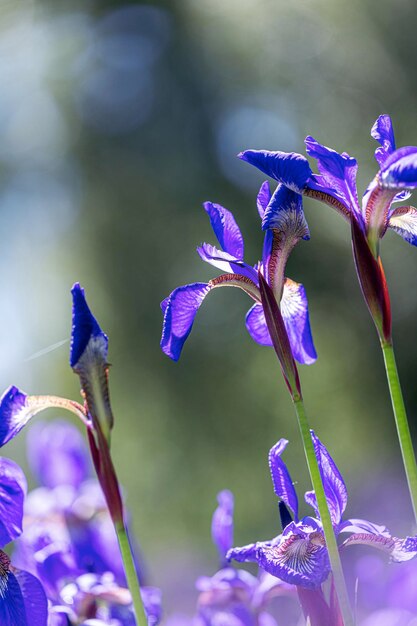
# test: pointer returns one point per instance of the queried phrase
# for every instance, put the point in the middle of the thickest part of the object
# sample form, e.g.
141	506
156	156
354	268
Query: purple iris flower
335	185
299	556
22	598
336	182
284	222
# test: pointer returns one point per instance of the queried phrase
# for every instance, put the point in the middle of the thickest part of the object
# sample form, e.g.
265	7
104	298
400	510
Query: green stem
401	422
131	577
331	544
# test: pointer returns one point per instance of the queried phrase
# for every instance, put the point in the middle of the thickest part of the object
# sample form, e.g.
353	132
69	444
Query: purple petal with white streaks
400	169
256	325
12	493
226	262
285	214
14	413
403	220
294	309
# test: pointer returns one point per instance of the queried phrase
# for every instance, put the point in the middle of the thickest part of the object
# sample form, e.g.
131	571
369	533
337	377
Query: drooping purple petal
263	198
22	598
57	454
399	170
256	325
12	492
14	413
300	558
403	221
383	132
226	262
281	479
285	214
222	524
338	171
180	309
86	331
289	168
226	229
333	483
294	309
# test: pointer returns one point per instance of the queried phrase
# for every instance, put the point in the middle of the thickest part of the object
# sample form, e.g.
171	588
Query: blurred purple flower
283	219
22	598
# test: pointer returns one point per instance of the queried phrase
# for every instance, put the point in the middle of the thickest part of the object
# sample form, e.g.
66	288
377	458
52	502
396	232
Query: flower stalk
331	544
282	348
401	422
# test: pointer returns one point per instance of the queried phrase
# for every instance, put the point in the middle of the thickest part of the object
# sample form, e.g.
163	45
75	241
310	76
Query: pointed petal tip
84	327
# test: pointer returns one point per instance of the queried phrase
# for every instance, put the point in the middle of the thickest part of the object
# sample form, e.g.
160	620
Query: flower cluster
74	563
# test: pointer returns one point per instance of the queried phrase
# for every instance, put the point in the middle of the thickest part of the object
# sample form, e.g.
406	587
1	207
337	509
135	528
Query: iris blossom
22	598
298	555
283	220
335	185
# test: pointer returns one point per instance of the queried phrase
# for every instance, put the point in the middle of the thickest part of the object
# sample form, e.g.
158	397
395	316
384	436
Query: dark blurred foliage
117	121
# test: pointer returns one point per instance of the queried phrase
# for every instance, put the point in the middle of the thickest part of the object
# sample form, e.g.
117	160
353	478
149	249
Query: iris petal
22	600
222	524
333	483
338	171
12	492
298	559
288	168
294	309
285	214
226	262
180	309
281	479
403	221
400	169
256	325
14	413
226	229
383	132
263	198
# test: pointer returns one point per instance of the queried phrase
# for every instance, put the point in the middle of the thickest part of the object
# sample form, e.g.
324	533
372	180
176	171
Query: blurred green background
117	121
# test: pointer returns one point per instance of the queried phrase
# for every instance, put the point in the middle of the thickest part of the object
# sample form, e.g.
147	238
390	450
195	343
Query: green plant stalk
331	544
131	577
401	422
